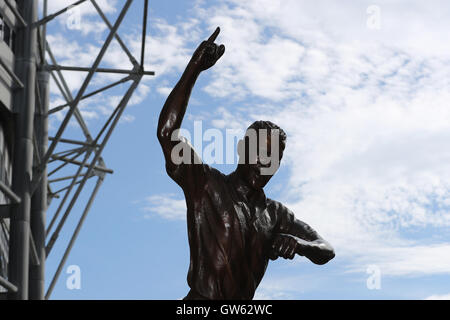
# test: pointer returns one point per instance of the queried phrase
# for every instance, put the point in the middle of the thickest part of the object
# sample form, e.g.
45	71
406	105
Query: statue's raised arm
171	117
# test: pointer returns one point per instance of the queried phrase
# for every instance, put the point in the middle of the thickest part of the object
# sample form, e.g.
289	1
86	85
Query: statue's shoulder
277	209
273	204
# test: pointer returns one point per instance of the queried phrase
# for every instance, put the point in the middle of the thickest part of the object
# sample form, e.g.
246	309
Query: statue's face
260	166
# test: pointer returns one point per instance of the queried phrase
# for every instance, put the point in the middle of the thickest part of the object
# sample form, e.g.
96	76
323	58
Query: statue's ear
240	148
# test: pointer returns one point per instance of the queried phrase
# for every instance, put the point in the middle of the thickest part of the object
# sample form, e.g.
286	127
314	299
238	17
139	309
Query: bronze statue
233	229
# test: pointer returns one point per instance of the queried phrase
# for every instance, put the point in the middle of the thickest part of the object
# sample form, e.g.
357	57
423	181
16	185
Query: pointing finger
213	37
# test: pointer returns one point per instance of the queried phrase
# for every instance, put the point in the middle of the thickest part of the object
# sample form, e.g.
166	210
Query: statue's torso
229	237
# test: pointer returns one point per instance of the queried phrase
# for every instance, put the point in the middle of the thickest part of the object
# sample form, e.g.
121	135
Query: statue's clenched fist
284	245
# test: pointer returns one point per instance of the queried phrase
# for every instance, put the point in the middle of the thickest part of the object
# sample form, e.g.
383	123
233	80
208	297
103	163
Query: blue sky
362	91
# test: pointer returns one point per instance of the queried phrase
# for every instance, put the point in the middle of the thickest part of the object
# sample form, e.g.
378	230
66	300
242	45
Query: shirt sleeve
288	224
185	166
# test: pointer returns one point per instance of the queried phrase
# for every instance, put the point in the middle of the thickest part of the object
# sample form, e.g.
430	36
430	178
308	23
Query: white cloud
164	91
140	94
439	297
265	294
286	287
166	206
406	260
127	118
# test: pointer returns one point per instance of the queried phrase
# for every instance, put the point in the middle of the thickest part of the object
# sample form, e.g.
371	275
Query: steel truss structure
41	163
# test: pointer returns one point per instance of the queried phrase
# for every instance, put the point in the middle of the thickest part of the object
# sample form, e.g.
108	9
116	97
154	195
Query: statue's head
260	152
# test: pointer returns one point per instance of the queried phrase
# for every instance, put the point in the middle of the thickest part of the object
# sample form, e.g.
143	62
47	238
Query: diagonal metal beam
7	285
64	178
7	191
66	153
61	107
77	154
144	33
70	151
78	182
33	252
11	74
96	168
54	15
40	170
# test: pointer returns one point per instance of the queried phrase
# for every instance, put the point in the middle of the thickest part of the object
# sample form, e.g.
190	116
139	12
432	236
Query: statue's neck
243	187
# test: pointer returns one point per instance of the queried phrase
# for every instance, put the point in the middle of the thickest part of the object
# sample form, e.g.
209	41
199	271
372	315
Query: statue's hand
284	245
207	53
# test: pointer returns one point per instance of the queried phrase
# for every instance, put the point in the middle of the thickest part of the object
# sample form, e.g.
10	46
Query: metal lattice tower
34	165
